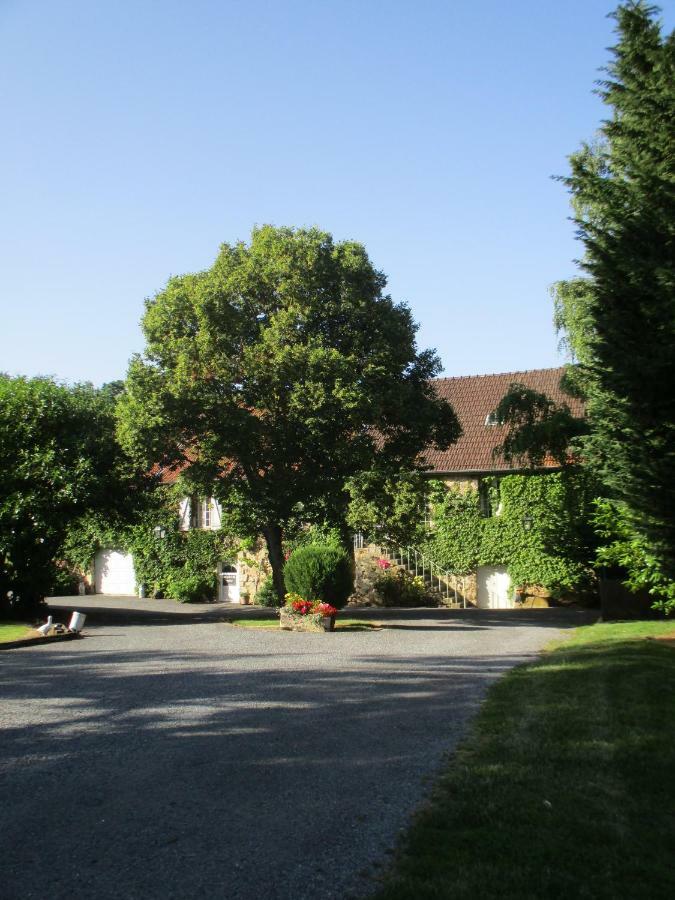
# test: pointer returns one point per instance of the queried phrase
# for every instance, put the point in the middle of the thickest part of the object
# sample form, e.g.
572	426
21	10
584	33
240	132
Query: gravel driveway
174	756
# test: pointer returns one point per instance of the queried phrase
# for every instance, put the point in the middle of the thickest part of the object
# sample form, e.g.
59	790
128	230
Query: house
466	464
113	569
474	399
474	459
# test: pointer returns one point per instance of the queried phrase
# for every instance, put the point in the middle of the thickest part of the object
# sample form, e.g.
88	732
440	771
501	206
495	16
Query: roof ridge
498	374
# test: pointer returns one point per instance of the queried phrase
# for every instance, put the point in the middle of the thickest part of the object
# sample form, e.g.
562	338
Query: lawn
11	631
340	624
565	787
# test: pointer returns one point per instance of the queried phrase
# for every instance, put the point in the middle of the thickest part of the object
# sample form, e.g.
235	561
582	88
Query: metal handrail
415	560
446	580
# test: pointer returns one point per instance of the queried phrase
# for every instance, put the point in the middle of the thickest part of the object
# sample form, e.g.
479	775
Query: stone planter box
291	621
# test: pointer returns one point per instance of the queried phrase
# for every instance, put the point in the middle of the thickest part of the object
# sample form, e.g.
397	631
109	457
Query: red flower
302	607
325	609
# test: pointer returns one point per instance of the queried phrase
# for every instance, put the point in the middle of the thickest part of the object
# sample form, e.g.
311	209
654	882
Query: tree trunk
275	552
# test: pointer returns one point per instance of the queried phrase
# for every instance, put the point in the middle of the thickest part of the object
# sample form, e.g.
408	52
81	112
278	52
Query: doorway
228	584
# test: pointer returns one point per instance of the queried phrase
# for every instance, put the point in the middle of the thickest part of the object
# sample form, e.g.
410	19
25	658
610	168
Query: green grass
11	631
340	624
565	787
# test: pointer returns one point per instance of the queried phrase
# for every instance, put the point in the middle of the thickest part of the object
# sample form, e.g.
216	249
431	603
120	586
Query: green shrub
320	572
267	595
191	588
401	589
64	583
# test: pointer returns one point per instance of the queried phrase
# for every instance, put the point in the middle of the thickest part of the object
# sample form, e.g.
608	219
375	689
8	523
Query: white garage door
494	588
114	573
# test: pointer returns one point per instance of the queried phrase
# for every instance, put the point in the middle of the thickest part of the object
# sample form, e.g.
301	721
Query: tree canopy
624	193
60	460
618	318
276	375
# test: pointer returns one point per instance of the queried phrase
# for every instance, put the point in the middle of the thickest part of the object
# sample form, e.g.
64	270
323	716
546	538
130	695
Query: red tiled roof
167	475
473	397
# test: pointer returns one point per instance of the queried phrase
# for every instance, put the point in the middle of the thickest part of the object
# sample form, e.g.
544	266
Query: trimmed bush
320	572
267	594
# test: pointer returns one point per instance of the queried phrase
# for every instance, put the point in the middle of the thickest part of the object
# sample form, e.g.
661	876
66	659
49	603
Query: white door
229	584
494	588
114	573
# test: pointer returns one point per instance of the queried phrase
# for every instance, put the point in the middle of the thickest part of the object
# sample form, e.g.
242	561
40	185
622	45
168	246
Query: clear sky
137	135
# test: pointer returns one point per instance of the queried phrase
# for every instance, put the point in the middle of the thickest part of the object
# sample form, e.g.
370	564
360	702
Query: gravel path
188	758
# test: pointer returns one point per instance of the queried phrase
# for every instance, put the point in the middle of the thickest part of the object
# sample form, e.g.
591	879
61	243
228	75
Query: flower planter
292	621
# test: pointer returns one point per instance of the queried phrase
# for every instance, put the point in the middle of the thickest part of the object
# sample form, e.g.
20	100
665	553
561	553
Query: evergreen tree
624	201
618	318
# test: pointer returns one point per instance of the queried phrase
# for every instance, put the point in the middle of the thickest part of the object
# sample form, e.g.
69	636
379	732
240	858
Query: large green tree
60	461
618	317
275	376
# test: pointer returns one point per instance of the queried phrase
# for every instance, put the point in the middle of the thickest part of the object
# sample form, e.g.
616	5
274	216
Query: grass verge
11	631
340	624
566	785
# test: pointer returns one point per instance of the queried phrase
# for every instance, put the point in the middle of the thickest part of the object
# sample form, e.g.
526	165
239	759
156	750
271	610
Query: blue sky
138	136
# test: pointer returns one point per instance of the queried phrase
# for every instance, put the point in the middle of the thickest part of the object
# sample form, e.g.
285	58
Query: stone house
466	464
470	462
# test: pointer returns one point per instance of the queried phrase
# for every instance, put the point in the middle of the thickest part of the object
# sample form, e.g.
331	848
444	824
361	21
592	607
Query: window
200	513
489	498
204	514
493	419
428	514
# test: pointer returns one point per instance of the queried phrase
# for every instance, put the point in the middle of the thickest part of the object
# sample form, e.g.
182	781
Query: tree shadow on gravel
408	619
157	774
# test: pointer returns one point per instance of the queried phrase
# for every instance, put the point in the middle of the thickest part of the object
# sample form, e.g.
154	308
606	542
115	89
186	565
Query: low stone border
31	641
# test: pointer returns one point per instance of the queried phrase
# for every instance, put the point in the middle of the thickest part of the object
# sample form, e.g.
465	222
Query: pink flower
383	563
325	609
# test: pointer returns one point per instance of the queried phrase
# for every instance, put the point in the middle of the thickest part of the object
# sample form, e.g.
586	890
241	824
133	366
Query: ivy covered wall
167	561
539	529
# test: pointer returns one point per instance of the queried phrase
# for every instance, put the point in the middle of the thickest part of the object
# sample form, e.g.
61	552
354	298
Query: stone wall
455	481
254	567
366	573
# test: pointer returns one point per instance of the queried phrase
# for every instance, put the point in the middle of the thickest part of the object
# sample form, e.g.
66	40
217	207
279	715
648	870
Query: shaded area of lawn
566	786
11	631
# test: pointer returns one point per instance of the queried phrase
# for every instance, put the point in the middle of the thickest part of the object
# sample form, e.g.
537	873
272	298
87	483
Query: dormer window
493	419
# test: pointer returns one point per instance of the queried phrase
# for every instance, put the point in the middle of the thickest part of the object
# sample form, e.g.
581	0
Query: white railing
439	579
443	581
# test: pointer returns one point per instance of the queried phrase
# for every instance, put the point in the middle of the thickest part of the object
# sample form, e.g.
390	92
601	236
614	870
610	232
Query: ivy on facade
164	555
539	528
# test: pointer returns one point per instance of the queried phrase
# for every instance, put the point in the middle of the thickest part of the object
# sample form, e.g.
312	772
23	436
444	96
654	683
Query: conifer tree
618	318
623	192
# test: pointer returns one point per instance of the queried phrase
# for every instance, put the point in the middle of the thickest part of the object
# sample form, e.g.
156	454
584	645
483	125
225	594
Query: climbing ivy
542	534
455	541
164	556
